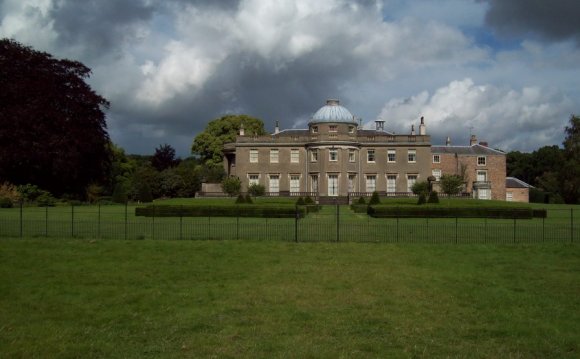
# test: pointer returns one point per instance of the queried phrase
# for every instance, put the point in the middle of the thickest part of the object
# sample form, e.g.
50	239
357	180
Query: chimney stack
422	130
277	128
448	141
242	132
412	130
380	125
473	140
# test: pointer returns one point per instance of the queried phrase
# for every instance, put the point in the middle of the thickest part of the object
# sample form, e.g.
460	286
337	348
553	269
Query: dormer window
314	129
333	128
350	129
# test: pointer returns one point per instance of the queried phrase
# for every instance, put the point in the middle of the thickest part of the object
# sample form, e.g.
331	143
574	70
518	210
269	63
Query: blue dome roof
333	112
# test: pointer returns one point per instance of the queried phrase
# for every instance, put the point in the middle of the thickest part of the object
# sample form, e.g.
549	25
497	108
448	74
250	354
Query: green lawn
229	299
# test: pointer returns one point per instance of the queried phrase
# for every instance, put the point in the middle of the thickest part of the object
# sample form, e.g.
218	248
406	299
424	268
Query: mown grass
231	299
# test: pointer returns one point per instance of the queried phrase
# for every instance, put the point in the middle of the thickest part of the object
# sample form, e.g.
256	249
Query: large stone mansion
336	157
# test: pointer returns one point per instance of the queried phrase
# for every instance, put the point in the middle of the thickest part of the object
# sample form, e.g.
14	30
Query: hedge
455	212
278	211
359	208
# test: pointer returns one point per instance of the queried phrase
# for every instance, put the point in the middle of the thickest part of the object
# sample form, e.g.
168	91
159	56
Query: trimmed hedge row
278	211
455	212
359	208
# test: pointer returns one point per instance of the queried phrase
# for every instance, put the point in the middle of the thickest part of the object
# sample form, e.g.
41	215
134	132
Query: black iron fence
330	223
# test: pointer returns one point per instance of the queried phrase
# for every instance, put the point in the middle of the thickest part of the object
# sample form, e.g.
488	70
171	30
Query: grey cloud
551	20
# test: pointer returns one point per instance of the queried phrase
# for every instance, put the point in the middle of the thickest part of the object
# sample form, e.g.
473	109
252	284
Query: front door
333	185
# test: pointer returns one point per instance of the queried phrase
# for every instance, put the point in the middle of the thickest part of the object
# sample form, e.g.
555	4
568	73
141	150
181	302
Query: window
484	193
371	183
391	156
294	156
351	156
314	181
411	179
509	196
314	156
481	161
274	155
436	158
274	185
253	179
351	183
294	183
481	176
412	156
350	129
437	175
371	156
333	155
314	129
253	156
332	128
391	183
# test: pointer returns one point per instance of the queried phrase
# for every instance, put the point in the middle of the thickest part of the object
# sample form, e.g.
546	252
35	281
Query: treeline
553	171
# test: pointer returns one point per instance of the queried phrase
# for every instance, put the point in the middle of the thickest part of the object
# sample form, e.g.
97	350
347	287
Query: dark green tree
570	168
53	130
120	193
232	186
256	190
451	184
420	187
209	143
164	158
375	198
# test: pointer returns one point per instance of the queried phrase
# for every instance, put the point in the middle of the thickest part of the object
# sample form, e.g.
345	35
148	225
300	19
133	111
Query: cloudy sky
505	70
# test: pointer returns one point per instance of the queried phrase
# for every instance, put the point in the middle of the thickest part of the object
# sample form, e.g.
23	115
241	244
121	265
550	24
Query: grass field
231	299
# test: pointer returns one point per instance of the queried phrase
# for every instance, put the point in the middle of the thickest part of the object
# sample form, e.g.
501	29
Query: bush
249	199
29	192
240	199
454	212
308	200
359	208
361	200
421	187
300	201
451	184
45	200
256	190
9	191
422	199
144	192
232	186
231	210
5	202
375	198
120	193
433	197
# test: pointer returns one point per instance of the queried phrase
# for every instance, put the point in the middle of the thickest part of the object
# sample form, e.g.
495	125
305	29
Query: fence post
126	220
46	222
337	221
543	229
181	222
397	229
153	224
514	229
571	225
21	204
72	220
99	219
238	221
297	214
455	230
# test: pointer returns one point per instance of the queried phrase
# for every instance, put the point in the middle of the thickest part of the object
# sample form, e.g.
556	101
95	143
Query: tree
164	158
420	187
570	169
53	130
209	143
451	184
231	185
256	190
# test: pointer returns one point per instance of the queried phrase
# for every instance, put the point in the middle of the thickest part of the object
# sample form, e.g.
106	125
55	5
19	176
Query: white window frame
509	196
251	180
437	174
351	155
394	153
393	188
410	182
483	161
294	179
330	155
412	156
371	153
294	155
436	158
351	182
273	189
371	183
484	175
254	155
314	183
274	155
314	155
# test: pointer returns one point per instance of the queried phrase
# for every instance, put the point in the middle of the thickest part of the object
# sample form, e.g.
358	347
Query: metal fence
330	224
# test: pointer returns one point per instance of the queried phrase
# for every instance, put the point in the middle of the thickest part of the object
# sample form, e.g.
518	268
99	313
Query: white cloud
28	21
506	118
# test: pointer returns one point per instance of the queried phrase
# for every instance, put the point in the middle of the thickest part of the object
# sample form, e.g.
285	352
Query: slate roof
512	182
466	150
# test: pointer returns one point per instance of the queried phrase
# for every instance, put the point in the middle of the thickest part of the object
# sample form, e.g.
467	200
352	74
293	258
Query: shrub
10	191
29	192
45	200
240	199
231	186
231	210
300	201
359	208
256	190
421	187
120	193
5	202
451	184
308	200
375	198
433	197
422	199
248	199
361	200
454	212
144	192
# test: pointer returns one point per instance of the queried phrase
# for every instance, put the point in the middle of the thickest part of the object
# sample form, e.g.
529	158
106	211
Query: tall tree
209	143
570	170
53	130
164	158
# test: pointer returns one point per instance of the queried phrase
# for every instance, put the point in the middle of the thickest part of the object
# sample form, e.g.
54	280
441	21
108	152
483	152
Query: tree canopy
53	126
209	143
164	157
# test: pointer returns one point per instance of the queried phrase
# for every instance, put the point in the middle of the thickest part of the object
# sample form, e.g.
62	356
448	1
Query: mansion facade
336	157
